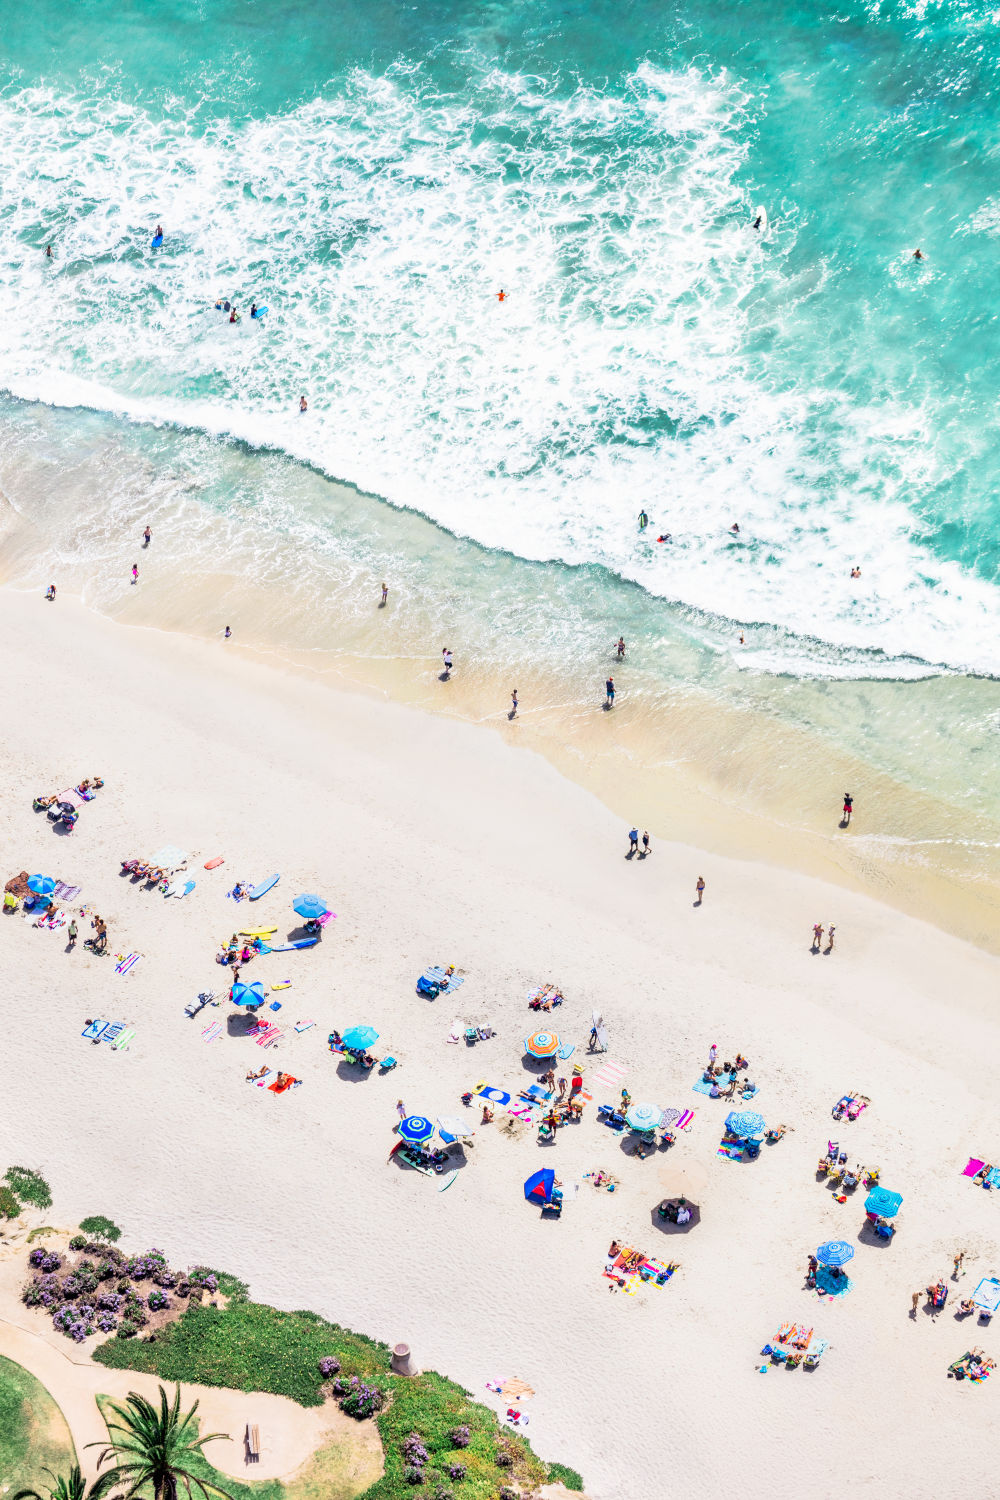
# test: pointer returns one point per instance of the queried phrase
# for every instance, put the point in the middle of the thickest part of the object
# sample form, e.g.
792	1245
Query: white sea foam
378	223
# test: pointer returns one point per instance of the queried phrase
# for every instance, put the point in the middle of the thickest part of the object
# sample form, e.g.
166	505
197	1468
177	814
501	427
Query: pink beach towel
973	1167
610	1075
685	1120
269	1035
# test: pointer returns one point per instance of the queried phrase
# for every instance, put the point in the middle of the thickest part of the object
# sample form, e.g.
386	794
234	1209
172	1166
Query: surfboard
759	220
185	889
156	242
213	864
287	947
257	931
259	313
172	889
264	887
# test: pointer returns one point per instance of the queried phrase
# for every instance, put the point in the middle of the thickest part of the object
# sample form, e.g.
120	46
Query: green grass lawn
33	1431
251	1347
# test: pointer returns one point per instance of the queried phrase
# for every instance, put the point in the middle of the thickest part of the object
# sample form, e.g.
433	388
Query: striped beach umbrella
882	1202
416	1129
745	1123
542	1045
643	1116
835	1253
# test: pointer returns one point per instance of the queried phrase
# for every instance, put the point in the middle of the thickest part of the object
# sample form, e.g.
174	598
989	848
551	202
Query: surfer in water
303	404
666	537
918	255
643	520
758	221
48	252
234	316
735	529
253	309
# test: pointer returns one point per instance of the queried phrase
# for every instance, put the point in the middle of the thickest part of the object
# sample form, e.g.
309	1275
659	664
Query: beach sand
437	842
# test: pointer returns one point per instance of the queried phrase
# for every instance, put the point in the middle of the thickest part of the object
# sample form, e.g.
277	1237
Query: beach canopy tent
987	1295
41	885
745	1123
168	858
644	1116
248	994
835	1253
310	907
538	1188
883	1203
543	1045
451	1128
416	1129
359	1037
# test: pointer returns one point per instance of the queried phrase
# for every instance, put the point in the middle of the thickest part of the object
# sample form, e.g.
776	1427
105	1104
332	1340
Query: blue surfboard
156	242
264	887
302	943
259	313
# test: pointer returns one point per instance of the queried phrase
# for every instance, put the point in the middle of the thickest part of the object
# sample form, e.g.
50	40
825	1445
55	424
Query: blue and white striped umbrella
835	1253
644	1116
745	1123
416	1129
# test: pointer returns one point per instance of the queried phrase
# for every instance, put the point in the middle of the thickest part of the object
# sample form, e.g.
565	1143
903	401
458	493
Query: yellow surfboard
257	931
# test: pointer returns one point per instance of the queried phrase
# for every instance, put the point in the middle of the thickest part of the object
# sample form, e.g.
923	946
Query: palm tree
69	1486
151	1447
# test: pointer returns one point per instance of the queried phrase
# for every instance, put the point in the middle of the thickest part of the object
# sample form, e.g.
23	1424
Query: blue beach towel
834	1286
437	975
93	1031
701	1087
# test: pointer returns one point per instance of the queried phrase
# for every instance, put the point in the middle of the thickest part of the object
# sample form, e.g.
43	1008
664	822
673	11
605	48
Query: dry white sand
437	842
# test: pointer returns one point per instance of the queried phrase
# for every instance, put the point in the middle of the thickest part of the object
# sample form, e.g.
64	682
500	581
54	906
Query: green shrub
100	1228
78	1242
568	1478
9	1206
29	1186
230	1286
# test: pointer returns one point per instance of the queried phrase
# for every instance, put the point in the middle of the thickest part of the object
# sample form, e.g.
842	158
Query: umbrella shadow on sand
241	1022
667	1226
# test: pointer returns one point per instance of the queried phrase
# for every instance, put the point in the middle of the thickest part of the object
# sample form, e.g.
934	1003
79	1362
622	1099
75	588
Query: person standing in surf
643	520
848	809
609	693
135	572
147	537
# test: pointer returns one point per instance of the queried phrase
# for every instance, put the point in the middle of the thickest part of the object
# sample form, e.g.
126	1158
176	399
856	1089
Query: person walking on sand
50	592
609	693
817	936
645	844
401	1109
226	633
633	842
448	660
147	537
713	1053
915	1304
513	705
385	594
848	809
621	646
958	1263
135	572
829	938
72	933
700	888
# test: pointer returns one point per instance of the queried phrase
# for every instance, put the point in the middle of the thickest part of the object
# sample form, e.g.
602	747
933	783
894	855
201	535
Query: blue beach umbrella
248	994
882	1202
41	885
644	1116
745	1123
538	1188
835	1253
416	1129
359	1037
310	907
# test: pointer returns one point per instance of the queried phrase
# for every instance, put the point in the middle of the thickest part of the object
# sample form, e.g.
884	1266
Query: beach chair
885	1230
252	1440
815	1354
387	1064
751	1150
471	1035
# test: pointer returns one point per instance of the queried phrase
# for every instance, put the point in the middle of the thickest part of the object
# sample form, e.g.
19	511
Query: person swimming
666	537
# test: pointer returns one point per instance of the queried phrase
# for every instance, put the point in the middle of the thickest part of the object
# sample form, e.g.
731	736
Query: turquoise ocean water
375	172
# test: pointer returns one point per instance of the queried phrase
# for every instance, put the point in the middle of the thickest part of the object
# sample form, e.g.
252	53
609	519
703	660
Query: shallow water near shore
702	745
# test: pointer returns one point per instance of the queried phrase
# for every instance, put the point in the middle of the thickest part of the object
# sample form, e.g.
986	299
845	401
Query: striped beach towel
113	1032
610	1074
304	1025
128	962
212	1033
268	1036
121	1043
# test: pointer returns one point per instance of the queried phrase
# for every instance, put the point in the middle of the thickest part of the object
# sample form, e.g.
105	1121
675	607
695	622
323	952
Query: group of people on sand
238	951
723	1077
140	870
99	942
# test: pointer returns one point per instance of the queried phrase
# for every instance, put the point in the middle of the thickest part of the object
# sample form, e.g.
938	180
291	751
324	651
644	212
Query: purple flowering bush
45	1260
456	1471
414	1451
359	1400
459	1438
329	1366
158	1301
508	1492
166	1277
206	1279
107	1322
413	1476
110	1301
75	1322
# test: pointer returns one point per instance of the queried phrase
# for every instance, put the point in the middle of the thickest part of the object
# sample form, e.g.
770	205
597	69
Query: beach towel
93	1031
832	1286
993	1177
566	1052
113	1032
684	1120
121	1044
437	975
326	917
212	1033
703	1086
268	1036
279	1088
975	1165
609	1075
304	1025
731	1149
64	892
127	963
